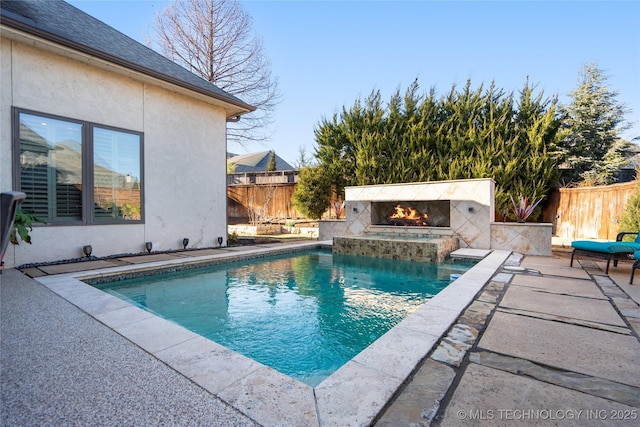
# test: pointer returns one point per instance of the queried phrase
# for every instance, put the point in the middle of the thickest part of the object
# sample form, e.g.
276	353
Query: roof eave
20	23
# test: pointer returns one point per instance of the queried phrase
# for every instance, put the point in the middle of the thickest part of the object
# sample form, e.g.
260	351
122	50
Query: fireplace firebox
433	213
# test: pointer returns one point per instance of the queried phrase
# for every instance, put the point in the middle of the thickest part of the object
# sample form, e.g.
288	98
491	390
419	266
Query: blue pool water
304	314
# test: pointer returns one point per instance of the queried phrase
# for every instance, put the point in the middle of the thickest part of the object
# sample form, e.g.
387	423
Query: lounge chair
635	265
607	250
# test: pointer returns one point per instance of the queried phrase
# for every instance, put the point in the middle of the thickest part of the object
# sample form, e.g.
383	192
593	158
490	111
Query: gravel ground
61	367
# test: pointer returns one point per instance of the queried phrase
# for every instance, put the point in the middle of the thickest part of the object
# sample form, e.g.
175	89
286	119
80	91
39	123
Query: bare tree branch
214	39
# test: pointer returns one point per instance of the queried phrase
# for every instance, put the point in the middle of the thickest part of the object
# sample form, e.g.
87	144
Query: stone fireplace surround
438	212
471	208
471	216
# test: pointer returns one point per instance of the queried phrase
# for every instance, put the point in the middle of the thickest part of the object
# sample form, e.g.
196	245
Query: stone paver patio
540	344
551	345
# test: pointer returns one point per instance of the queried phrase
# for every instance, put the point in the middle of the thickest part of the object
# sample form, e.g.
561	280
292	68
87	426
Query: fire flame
408	215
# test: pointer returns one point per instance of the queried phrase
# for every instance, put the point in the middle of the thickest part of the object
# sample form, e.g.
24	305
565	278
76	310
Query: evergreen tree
313	192
271	166
469	133
630	220
594	119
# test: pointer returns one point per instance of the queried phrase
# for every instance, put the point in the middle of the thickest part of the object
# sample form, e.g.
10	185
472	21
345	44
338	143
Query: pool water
304	314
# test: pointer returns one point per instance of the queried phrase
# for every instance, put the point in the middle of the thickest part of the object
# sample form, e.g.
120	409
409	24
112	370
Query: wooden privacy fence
269	201
587	212
576	213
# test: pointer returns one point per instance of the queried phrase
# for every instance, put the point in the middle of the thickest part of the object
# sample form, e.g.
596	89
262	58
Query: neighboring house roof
256	162
60	22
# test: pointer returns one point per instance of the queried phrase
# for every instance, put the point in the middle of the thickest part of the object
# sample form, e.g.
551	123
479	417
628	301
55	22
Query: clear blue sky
326	54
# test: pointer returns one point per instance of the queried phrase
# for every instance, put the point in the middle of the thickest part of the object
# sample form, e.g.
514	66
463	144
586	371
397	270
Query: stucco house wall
184	147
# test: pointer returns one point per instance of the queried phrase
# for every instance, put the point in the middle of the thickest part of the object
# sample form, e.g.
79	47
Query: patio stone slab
603	327
419	401
490	295
554	267
88	298
203	252
535	261
474	319
149	258
155	334
560	285
33	272
123	316
599	387
481	307
631	312
573	348
69	288
208	364
431	319
397	352
626	304
78	266
487	396
595	310
335	396
99	304
610	289
635	324
454	346
502	277
237	248
273	399
575	271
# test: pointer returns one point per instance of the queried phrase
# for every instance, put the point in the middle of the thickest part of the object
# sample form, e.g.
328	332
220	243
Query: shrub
313	192
232	238
22	225
630	220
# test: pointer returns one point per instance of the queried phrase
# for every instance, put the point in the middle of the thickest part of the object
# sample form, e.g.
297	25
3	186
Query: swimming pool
353	395
304	314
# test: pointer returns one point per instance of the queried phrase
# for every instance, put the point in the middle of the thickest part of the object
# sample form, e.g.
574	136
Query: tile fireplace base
424	249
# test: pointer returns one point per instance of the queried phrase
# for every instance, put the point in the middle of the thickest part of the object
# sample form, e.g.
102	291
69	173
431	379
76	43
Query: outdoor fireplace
434	213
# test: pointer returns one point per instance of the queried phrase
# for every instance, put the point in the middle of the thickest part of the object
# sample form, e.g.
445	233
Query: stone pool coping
354	394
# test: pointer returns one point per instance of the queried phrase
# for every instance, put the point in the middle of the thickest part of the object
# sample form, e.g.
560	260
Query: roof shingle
62	23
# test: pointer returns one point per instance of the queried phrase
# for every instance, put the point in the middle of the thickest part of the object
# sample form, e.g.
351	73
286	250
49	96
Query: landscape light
87	249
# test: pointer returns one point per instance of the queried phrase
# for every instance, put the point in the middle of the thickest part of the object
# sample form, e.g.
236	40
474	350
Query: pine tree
594	119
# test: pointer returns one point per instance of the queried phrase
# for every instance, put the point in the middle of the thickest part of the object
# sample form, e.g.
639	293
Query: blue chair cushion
606	247
636	255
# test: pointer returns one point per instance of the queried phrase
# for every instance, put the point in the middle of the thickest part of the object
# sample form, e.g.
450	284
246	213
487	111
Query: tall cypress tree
271	166
468	133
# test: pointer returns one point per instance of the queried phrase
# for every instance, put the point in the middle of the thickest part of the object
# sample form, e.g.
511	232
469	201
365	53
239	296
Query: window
76	172
116	175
